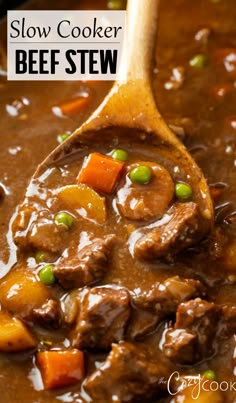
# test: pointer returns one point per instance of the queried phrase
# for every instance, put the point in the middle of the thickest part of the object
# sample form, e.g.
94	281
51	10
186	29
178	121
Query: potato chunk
88	203
14	336
20	292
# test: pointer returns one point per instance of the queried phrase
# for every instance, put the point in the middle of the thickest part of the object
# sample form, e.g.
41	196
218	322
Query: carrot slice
100	172
74	105
61	368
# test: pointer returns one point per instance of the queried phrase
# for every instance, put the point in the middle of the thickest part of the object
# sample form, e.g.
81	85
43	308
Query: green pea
198	61
64	219
119	154
46	275
141	174
115	4
183	191
62	137
209	374
40	256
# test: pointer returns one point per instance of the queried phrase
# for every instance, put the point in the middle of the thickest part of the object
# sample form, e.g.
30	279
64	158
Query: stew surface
110	289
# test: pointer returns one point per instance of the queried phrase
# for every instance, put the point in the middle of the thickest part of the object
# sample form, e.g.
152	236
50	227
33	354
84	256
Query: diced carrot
74	105
61	368
100	172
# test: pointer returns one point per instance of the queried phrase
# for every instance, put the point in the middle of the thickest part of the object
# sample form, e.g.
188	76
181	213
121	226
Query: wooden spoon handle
131	95
140	39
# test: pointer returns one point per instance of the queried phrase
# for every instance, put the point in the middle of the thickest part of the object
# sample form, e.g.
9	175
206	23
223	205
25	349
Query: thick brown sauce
209	136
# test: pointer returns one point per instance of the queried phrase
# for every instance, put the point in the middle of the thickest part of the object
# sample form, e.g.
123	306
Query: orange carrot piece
100	172
74	105
61	368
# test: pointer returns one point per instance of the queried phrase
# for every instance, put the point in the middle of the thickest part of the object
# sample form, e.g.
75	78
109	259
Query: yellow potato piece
20	292
88	203
14	336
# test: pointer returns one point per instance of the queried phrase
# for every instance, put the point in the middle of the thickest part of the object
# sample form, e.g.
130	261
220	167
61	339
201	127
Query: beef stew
109	283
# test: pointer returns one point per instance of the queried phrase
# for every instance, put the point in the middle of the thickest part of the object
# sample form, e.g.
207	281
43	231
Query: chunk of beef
129	374
181	231
154	305
46	235
217	244
181	345
141	323
34	227
192	337
165	297
103	315
228	321
49	315
88	265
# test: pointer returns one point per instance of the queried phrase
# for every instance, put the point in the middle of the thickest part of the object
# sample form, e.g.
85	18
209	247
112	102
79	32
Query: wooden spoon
130	106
